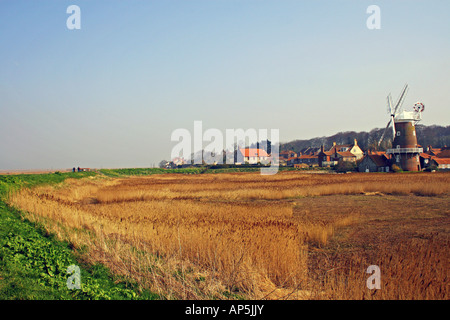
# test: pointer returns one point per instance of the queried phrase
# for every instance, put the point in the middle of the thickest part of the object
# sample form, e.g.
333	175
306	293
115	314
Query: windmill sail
393	111
401	99
384	133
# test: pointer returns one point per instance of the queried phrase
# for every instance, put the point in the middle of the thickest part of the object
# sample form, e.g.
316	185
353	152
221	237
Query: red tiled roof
346	154
377	152
328	153
379	160
339	146
307	156
426	155
253	152
442	160
444	154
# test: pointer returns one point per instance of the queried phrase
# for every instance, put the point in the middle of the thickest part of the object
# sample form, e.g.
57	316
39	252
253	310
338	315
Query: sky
109	95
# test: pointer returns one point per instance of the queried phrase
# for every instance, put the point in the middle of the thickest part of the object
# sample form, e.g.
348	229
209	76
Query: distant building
285	155
374	162
310	151
339	152
291	161
309	159
436	157
301	165
253	156
441	163
425	160
178	161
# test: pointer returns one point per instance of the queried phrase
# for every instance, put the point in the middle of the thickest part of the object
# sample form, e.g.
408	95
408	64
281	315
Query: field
294	235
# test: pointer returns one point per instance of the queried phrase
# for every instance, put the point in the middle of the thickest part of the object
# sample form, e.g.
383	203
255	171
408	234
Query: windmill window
398	133
398	146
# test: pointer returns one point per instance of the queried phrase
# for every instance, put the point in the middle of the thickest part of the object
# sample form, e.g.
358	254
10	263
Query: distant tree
436	136
345	166
163	163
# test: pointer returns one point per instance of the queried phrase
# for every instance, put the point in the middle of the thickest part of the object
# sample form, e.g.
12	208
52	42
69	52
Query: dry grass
209	236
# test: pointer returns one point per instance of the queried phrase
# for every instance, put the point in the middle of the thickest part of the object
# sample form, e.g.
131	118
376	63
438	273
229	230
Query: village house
435	157
291	161
374	162
306	158
337	153
425	160
310	156
433	151
252	156
285	155
441	163
311	160
311	151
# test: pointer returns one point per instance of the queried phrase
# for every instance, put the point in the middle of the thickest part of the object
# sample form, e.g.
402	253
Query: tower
405	150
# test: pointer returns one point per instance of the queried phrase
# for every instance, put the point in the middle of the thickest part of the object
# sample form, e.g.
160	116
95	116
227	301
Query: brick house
375	162
252	156
438	157
340	152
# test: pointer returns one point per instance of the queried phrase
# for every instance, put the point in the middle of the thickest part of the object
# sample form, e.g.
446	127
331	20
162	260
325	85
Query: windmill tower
405	151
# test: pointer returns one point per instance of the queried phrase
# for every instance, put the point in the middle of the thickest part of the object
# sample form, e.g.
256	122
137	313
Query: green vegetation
195	170
146	171
345	166
33	264
10	183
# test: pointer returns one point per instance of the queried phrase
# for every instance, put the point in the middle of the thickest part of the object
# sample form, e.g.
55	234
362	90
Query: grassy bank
197	170
33	263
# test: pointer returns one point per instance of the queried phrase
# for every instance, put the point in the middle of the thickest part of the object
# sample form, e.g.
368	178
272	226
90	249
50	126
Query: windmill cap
407	116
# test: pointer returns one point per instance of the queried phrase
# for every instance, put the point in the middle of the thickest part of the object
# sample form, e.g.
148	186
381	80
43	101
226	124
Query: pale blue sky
111	93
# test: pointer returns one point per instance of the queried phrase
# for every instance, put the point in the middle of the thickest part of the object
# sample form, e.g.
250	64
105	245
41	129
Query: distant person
73	170
79	169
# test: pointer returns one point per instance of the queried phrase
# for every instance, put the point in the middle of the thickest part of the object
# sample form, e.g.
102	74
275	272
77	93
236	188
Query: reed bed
217	236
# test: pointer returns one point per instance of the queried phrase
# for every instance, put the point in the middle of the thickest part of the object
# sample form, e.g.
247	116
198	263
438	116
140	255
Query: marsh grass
220	235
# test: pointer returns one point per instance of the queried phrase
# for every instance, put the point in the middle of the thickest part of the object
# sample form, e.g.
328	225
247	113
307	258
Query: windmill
405	151
393	111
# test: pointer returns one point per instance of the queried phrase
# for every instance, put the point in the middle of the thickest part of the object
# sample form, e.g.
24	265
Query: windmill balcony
405	150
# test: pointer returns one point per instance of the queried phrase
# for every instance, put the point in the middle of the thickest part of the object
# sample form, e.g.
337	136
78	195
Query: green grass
146	171
33	264
11	183
195	170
